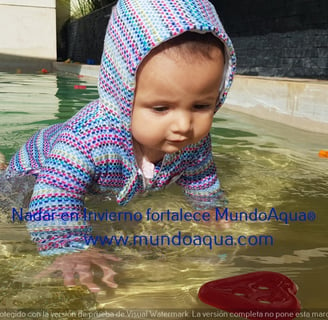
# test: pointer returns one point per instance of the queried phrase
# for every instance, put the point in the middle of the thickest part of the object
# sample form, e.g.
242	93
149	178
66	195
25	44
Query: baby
166	68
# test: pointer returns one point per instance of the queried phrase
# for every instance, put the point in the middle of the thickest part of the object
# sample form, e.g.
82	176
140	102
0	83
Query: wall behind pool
28	32
278	38
272	38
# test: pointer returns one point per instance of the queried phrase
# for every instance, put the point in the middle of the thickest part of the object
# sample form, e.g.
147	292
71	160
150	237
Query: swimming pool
261	165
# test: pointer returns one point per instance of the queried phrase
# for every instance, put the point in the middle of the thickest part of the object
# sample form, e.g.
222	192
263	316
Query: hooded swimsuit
93	151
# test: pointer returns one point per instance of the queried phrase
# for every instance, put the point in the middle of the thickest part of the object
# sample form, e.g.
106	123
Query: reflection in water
298	256
71	100
261	165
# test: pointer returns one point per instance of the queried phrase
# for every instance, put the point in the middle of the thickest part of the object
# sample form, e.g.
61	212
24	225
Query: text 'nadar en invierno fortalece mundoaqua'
218	214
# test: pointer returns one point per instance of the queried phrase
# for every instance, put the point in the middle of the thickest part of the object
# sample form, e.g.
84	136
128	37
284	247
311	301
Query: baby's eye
160	108
202	106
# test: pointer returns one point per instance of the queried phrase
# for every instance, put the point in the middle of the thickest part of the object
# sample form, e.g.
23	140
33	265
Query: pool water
261	164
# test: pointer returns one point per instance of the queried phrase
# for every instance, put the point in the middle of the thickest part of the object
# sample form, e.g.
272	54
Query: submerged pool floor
262	166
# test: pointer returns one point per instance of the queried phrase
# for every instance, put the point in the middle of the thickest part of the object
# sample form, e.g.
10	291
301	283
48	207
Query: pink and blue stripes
93	151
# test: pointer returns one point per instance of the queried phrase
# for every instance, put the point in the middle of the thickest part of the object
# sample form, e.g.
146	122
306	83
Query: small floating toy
323	154
79	87
262	295
44	70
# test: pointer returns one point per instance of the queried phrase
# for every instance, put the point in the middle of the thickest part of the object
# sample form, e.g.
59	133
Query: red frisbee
260	295
80	87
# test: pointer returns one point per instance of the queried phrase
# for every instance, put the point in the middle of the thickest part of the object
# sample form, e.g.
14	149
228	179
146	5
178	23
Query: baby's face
174	102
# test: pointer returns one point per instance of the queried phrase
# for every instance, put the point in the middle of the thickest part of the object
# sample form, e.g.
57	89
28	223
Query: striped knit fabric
93	151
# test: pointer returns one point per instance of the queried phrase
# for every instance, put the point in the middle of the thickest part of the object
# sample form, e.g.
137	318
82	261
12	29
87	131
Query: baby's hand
3	164
79	263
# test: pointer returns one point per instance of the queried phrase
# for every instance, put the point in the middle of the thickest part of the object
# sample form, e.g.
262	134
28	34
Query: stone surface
28	29
301	104
272	38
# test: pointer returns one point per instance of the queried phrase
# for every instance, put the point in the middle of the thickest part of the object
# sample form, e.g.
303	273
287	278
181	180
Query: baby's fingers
86	279
111	257
108	277
69	280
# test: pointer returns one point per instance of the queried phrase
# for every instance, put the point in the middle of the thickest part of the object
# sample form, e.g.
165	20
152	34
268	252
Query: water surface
261	165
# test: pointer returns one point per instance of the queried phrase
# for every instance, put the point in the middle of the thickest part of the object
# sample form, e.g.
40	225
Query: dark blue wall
86	36
283	38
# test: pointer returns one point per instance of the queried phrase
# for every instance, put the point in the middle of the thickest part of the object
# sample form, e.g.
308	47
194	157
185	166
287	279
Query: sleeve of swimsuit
200	182
57	202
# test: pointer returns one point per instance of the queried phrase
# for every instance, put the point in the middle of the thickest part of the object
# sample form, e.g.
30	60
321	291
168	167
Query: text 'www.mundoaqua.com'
179	239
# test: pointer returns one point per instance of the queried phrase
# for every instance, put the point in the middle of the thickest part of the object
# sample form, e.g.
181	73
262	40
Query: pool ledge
300	103
77	68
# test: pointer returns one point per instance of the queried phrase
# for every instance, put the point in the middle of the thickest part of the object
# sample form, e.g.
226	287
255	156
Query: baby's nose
182	123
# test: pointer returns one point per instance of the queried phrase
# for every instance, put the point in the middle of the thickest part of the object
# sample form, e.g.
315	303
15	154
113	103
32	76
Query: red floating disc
80	87
260	295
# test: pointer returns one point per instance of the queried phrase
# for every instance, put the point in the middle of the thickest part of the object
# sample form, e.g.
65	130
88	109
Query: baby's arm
58	198
59	195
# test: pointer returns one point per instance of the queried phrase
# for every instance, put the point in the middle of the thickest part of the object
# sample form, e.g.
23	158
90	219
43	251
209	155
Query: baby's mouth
177	141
